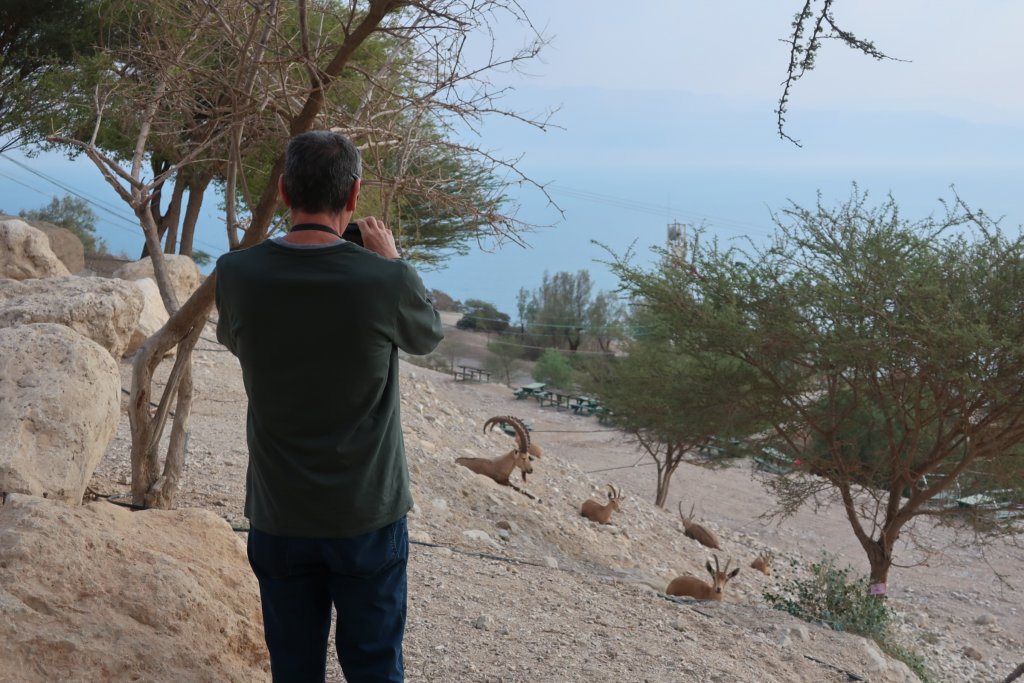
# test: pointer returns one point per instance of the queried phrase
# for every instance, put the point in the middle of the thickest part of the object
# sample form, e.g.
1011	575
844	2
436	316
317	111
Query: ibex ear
707	565
734	572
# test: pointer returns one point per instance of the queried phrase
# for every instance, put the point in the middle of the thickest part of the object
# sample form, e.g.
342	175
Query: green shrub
553	368
831	596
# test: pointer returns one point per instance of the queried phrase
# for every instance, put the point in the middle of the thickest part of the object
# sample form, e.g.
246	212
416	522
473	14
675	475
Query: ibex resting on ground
500	469
599	513
763	563
695	588
702	535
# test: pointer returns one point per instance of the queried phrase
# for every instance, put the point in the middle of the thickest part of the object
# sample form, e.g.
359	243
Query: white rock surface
59	407
25	252
105	311
98	593
152	317
181	271
65	245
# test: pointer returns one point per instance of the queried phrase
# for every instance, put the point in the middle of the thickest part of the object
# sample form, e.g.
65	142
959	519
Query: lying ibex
534	448
500	469
702	535
763	563
695	588
602	514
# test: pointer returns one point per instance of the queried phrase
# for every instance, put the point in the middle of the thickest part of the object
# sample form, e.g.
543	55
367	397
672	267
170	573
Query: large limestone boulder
181	271
65	245
60	400
153	316
98	593
106	311
25	252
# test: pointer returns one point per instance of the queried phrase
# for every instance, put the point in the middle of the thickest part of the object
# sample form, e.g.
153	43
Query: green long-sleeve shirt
317	333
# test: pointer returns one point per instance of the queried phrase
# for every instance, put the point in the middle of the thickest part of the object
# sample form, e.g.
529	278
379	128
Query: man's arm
224	334
418	326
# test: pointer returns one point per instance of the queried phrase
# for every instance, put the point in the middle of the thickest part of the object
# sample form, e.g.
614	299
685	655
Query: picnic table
585	405
468	372
530	390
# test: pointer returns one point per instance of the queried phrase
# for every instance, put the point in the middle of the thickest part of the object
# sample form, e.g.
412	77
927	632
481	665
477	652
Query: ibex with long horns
500	469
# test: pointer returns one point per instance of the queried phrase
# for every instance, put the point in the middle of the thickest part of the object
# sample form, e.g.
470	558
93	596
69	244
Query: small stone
985	620
800	632
504	524
504	534
439	504
551	562
679	625
477	535
483	622
973	653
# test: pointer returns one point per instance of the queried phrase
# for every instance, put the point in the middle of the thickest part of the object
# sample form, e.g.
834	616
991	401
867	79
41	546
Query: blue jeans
364	577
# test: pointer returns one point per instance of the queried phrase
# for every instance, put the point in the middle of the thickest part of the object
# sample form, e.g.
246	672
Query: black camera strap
314	226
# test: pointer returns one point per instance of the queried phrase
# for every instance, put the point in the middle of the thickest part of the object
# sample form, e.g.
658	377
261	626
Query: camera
352	234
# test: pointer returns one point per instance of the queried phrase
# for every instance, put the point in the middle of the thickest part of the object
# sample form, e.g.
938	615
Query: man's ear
280	191
353	195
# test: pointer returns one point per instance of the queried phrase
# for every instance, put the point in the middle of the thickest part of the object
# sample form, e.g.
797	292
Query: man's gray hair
320	168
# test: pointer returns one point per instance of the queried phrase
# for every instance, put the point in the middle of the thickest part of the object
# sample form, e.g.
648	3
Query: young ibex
702	535
500	469
763	563
602	514
695	588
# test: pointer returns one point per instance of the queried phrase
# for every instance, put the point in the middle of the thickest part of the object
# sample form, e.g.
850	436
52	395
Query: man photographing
316	323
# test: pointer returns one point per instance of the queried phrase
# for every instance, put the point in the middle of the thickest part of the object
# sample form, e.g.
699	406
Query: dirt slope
508	589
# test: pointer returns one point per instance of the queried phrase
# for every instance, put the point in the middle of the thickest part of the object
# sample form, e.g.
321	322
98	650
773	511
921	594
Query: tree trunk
880	559
664	476
196	189
169	222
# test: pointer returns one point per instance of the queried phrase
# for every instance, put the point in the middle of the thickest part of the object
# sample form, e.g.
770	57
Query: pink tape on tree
877	589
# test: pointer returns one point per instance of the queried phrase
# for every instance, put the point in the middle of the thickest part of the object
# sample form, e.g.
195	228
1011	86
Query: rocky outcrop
98	593
25	252
105	311
181	271
59	406
65	244
153	316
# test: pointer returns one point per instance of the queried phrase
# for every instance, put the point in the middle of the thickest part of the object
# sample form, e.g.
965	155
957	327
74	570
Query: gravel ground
504	588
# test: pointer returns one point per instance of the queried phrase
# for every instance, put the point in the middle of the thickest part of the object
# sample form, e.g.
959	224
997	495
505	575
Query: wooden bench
468	372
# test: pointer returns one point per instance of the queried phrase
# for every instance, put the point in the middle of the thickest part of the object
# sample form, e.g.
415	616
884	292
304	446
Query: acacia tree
278	85
887	355
671	399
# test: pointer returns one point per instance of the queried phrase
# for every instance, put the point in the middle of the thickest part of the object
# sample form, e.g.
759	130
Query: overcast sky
666	113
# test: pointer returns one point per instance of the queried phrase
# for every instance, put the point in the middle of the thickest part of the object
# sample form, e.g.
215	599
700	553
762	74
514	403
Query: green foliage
563	312
73	214
880	351
442	300
506	353
482	315
553	368
38	39
834	597
201	257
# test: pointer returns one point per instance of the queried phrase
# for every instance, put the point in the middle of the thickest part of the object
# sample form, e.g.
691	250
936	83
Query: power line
92	201
525	346
655	209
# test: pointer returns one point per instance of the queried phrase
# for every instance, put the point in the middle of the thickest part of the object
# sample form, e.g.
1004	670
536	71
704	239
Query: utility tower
675	240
